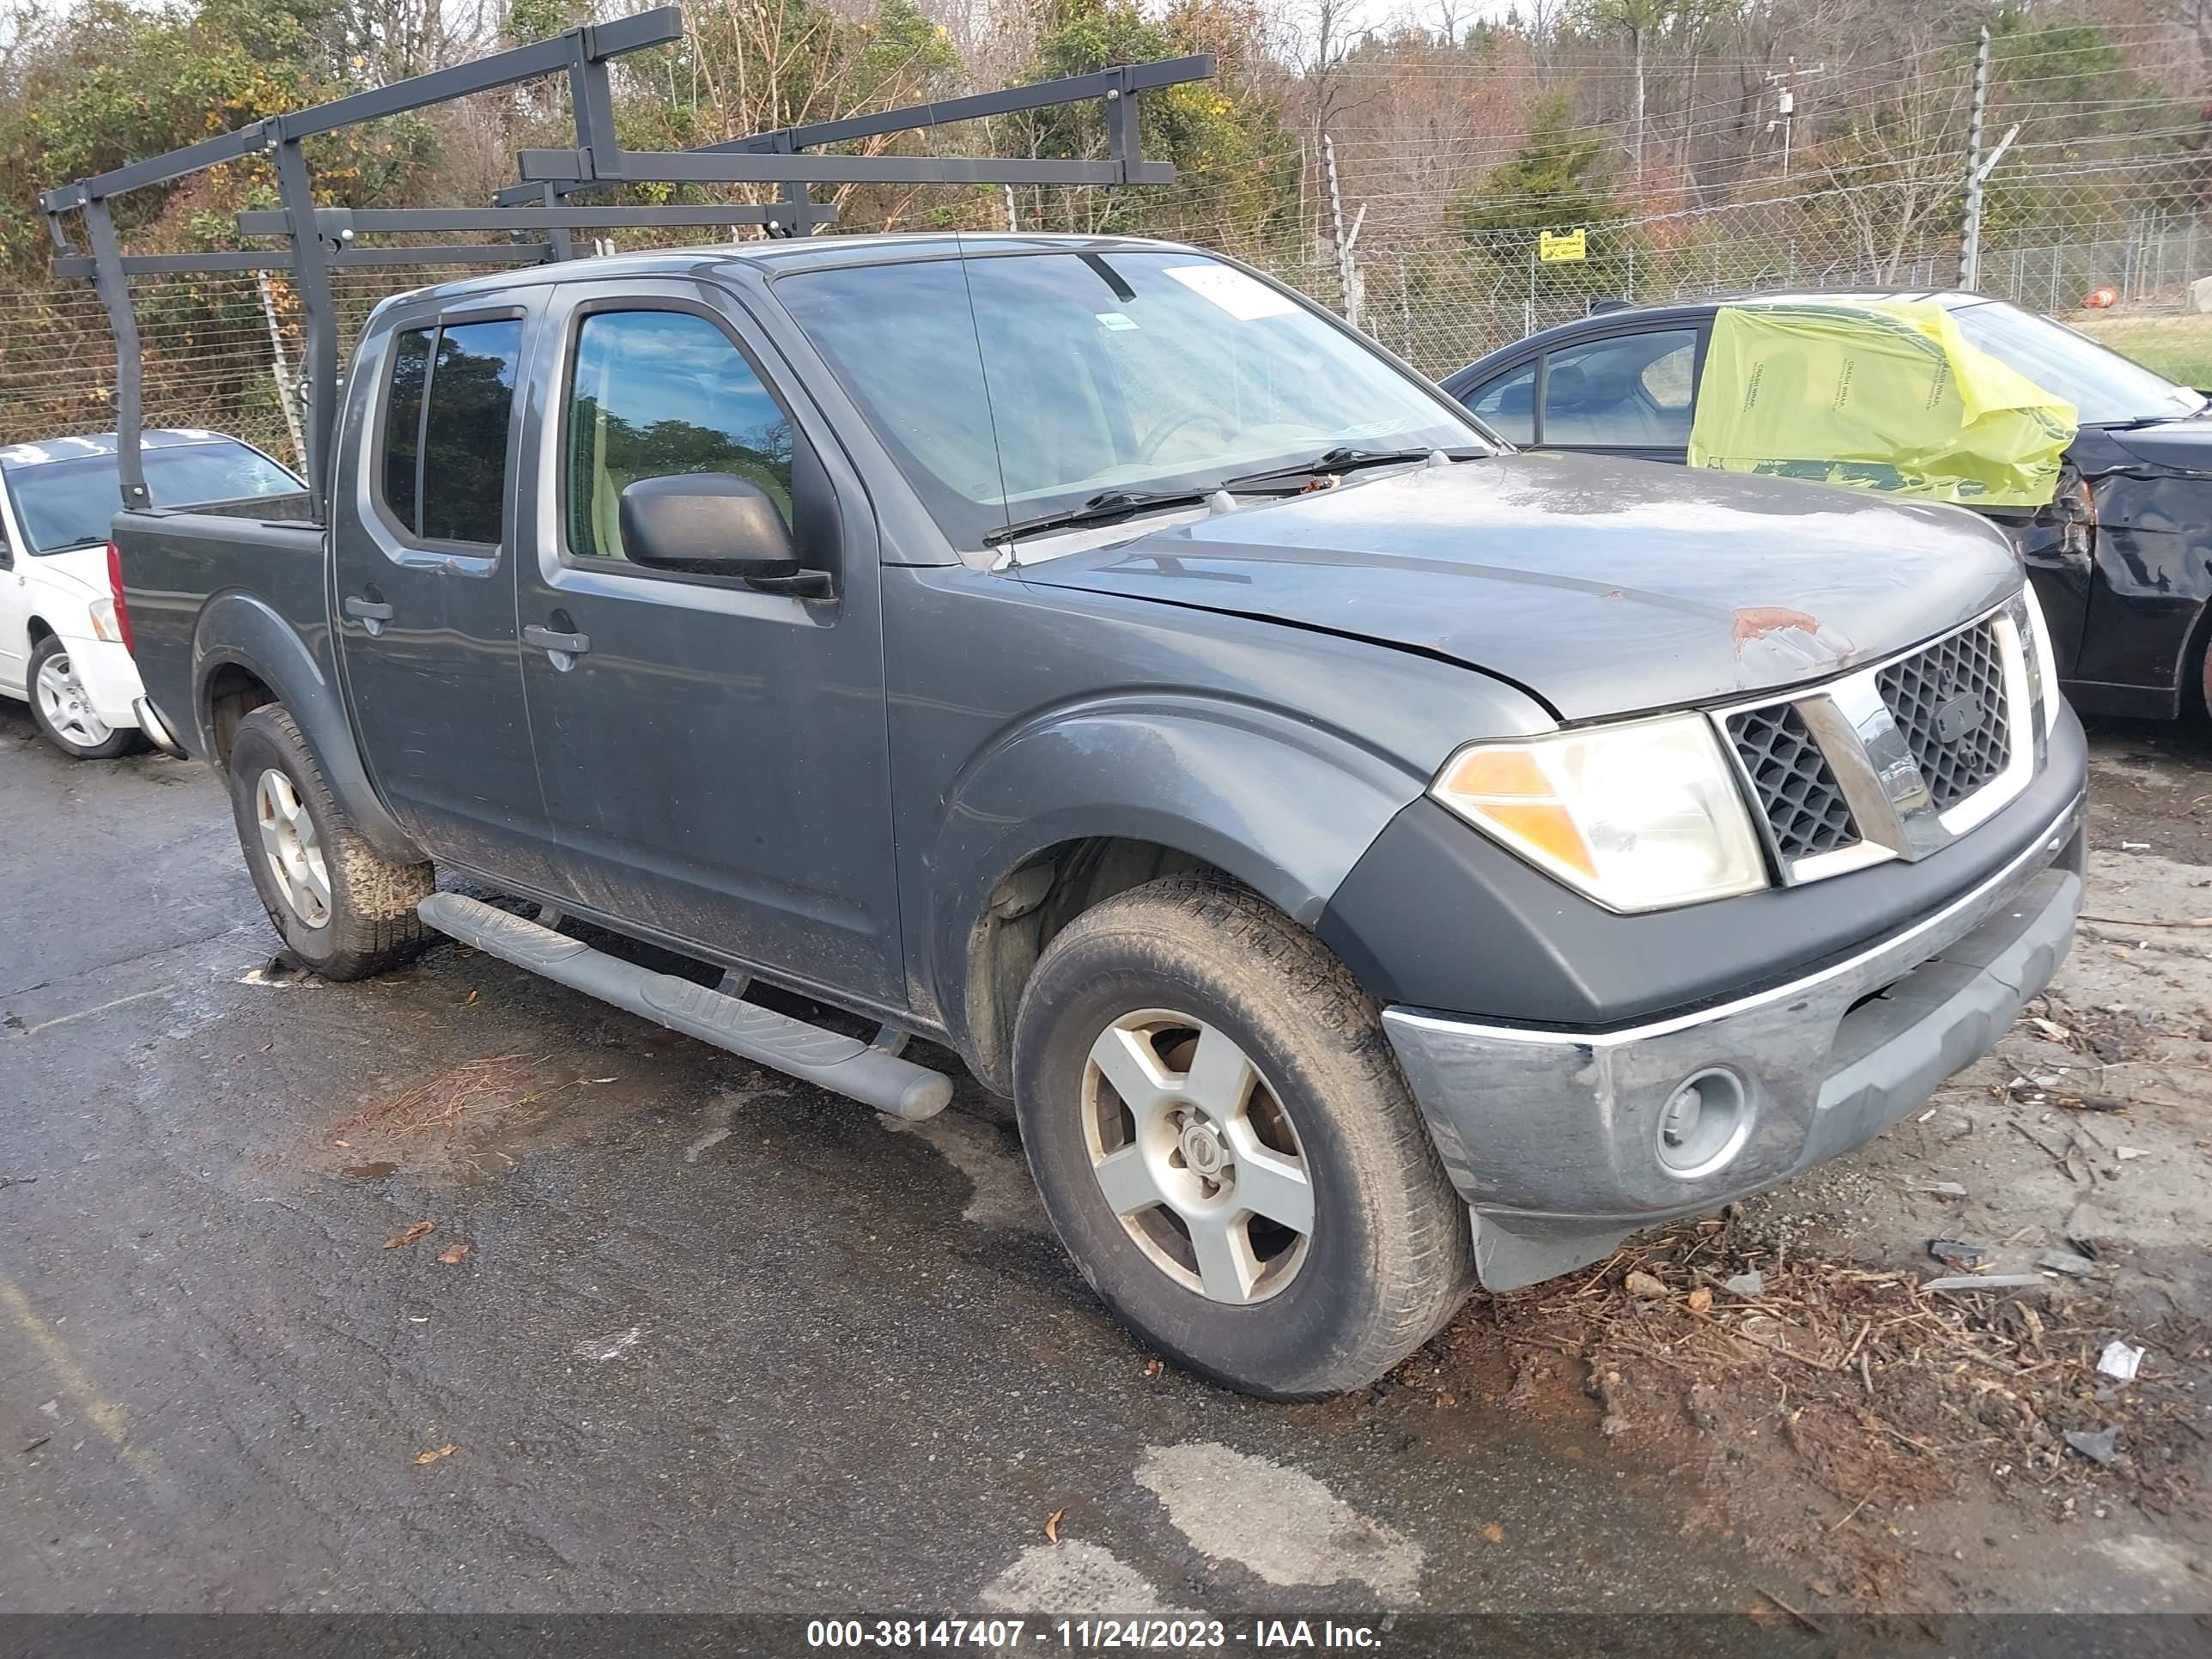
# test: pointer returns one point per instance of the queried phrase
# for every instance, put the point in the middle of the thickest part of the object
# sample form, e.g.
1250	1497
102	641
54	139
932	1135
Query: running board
865	1072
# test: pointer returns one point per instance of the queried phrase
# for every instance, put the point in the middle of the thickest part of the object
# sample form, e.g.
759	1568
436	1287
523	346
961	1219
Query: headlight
103	622
1639	817
2043	661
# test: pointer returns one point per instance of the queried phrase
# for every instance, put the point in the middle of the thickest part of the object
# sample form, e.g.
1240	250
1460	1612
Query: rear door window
447	414
403	427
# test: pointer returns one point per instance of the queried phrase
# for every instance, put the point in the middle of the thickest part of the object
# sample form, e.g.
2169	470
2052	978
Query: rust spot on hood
1756	622
1787	641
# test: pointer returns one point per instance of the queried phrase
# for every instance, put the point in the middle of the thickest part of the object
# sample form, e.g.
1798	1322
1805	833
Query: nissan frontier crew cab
1370	858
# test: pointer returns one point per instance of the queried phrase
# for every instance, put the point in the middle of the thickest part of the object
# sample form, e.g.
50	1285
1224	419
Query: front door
425	604
714	757
14	615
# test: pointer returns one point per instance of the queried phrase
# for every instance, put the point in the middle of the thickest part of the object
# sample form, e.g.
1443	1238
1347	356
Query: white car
61	647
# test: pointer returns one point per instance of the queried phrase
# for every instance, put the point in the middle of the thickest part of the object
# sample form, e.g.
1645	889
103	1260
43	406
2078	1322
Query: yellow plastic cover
1880	394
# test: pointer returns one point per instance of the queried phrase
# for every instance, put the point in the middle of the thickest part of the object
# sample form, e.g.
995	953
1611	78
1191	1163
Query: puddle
376	1171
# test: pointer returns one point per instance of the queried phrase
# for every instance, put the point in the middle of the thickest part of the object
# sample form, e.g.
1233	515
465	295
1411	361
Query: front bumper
110	679
1555	1137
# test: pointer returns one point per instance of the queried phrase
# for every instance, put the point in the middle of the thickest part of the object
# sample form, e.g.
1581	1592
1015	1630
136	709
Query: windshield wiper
1346	459
1111	508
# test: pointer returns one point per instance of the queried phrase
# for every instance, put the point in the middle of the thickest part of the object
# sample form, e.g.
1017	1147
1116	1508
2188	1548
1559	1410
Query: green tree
1556	180
1228	139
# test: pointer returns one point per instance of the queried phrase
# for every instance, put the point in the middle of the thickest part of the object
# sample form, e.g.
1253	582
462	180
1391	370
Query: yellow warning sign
1554	247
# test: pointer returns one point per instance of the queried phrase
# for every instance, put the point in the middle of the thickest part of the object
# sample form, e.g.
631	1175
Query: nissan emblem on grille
1948	702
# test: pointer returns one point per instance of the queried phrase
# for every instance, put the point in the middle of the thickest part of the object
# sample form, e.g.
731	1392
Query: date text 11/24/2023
1259	1635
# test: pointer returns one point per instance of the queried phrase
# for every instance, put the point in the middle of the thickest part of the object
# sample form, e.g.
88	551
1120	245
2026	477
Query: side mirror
714	524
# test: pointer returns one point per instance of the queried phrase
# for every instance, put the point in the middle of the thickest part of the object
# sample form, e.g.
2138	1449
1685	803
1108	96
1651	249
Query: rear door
425	591
714	757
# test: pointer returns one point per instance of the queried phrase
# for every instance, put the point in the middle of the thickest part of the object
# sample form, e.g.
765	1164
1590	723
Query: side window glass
1598	395
1668	378
403	427
1508	406
656	393
471	403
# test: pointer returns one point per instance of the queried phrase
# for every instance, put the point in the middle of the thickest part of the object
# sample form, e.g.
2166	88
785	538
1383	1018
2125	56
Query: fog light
1704	1124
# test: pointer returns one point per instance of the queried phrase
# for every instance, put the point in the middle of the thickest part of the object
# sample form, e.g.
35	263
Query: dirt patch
471	1121
1817	1404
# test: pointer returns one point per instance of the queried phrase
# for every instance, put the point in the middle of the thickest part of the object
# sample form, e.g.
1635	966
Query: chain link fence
223	351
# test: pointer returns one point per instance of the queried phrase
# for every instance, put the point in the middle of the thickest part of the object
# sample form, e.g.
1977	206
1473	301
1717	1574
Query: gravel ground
681	1334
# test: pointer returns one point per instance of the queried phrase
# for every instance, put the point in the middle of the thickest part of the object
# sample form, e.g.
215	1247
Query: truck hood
1601	586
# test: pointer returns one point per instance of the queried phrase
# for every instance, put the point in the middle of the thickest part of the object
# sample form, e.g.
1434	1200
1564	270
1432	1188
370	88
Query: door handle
547	639
371	613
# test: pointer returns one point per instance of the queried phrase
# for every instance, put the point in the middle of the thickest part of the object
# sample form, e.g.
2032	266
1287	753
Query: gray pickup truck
1369	857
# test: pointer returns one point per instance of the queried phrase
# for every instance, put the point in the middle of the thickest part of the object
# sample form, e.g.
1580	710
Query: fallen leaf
421	1229
446	1450
452	1254
1494	1533
1052	1526
1700	1299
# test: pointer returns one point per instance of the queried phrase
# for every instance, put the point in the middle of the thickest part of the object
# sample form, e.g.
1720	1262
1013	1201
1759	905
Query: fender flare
238	629
1283	804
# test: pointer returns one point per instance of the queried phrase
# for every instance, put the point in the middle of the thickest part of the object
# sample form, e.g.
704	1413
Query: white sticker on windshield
1245	298
1114	320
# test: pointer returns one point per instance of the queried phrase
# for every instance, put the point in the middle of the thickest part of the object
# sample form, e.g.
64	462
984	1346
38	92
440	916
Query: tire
1388	1256
64	717
342	910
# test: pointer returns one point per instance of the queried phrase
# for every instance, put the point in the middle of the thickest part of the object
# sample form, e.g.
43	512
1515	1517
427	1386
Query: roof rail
537	215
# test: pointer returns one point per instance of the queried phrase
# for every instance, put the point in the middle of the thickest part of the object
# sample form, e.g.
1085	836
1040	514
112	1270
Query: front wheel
63	710
1226	1145
343	909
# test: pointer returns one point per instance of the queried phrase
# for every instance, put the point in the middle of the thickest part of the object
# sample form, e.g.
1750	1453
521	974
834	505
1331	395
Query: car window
68	503
2104	387
654	393
470	406
1508	405
1019	386
402	474
1599	394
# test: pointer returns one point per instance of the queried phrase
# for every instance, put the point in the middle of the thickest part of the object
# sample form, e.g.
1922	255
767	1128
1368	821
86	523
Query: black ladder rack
538	216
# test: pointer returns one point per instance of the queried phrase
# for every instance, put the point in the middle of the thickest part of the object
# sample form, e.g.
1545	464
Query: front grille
1949	703
1804	806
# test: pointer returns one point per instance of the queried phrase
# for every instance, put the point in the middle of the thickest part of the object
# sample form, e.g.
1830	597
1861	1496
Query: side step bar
871	1075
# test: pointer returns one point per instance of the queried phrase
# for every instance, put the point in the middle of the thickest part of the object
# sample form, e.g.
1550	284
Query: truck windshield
2105	388
68	503
1019	386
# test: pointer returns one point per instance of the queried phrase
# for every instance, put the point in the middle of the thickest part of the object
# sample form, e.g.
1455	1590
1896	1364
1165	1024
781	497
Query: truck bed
263	555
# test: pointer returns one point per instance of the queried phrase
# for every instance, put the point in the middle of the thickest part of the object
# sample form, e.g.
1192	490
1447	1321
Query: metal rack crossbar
538	215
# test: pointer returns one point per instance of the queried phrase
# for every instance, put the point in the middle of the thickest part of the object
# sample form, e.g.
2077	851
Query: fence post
281	372
1346	288
1969	240
1405	310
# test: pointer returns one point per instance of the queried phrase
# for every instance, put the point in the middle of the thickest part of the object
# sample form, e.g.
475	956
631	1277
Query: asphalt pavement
716	1341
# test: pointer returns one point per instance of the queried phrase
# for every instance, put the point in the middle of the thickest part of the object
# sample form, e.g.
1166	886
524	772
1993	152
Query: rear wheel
1227	1147
64	712
341	909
